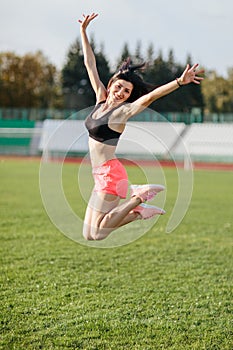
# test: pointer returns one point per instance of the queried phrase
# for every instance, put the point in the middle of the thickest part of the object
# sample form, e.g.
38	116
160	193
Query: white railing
20	141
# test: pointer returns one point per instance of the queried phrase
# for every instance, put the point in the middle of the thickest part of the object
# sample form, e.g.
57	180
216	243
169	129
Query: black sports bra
99	130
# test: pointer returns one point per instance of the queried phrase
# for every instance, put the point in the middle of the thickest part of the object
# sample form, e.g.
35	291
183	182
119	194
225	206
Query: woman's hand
190	75
86	20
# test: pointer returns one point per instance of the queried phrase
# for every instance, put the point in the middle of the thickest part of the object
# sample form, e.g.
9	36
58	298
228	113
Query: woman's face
120	90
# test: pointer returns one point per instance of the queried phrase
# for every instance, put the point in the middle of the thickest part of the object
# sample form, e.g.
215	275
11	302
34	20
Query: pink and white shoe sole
146	192
148	211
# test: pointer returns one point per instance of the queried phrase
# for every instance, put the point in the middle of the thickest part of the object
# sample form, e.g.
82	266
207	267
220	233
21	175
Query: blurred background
42	76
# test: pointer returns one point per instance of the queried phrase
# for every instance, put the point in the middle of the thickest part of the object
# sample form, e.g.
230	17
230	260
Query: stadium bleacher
147	139
165	140
207	141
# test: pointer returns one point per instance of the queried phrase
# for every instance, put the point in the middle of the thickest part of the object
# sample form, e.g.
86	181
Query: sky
201	28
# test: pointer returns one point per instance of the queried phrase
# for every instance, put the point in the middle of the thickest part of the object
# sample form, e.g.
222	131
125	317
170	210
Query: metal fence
36	114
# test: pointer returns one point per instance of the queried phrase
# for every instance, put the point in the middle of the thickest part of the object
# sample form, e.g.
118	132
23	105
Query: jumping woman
125	96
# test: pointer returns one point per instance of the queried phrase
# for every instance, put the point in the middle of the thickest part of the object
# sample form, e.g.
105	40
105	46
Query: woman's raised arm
190	75
89	59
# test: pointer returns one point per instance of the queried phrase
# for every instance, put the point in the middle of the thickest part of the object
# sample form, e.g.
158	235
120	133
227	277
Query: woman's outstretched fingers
191	75
193	68
197	80
87	18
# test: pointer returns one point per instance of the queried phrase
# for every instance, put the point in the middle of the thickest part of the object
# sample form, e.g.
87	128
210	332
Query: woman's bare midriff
100	152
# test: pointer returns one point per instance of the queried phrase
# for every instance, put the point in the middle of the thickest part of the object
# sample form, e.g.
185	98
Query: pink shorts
111	177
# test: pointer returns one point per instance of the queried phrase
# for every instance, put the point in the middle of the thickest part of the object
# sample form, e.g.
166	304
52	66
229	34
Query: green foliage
218	93
77	90
79	94
27	81
171	292
31	81
124	55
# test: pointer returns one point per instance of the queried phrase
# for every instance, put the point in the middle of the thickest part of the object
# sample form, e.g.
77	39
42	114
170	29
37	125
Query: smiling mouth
118	97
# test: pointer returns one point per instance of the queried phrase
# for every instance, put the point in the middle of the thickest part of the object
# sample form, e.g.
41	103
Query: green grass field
163	291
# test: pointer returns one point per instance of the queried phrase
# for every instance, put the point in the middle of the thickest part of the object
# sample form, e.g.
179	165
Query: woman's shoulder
125	111
98	103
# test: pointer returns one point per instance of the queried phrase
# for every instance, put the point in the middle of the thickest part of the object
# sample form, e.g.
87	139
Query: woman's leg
104	214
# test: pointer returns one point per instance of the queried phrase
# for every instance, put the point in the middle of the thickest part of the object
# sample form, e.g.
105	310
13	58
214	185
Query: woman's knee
92	233
95	235
87	232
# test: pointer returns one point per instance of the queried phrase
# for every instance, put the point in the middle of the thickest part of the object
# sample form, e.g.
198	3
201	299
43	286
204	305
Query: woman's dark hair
127	72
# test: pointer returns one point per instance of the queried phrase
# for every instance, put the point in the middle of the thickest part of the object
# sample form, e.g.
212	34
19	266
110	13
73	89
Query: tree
172	65
192	94
27	81
138	51
124	55
150	54
77	89
158	73
218	93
